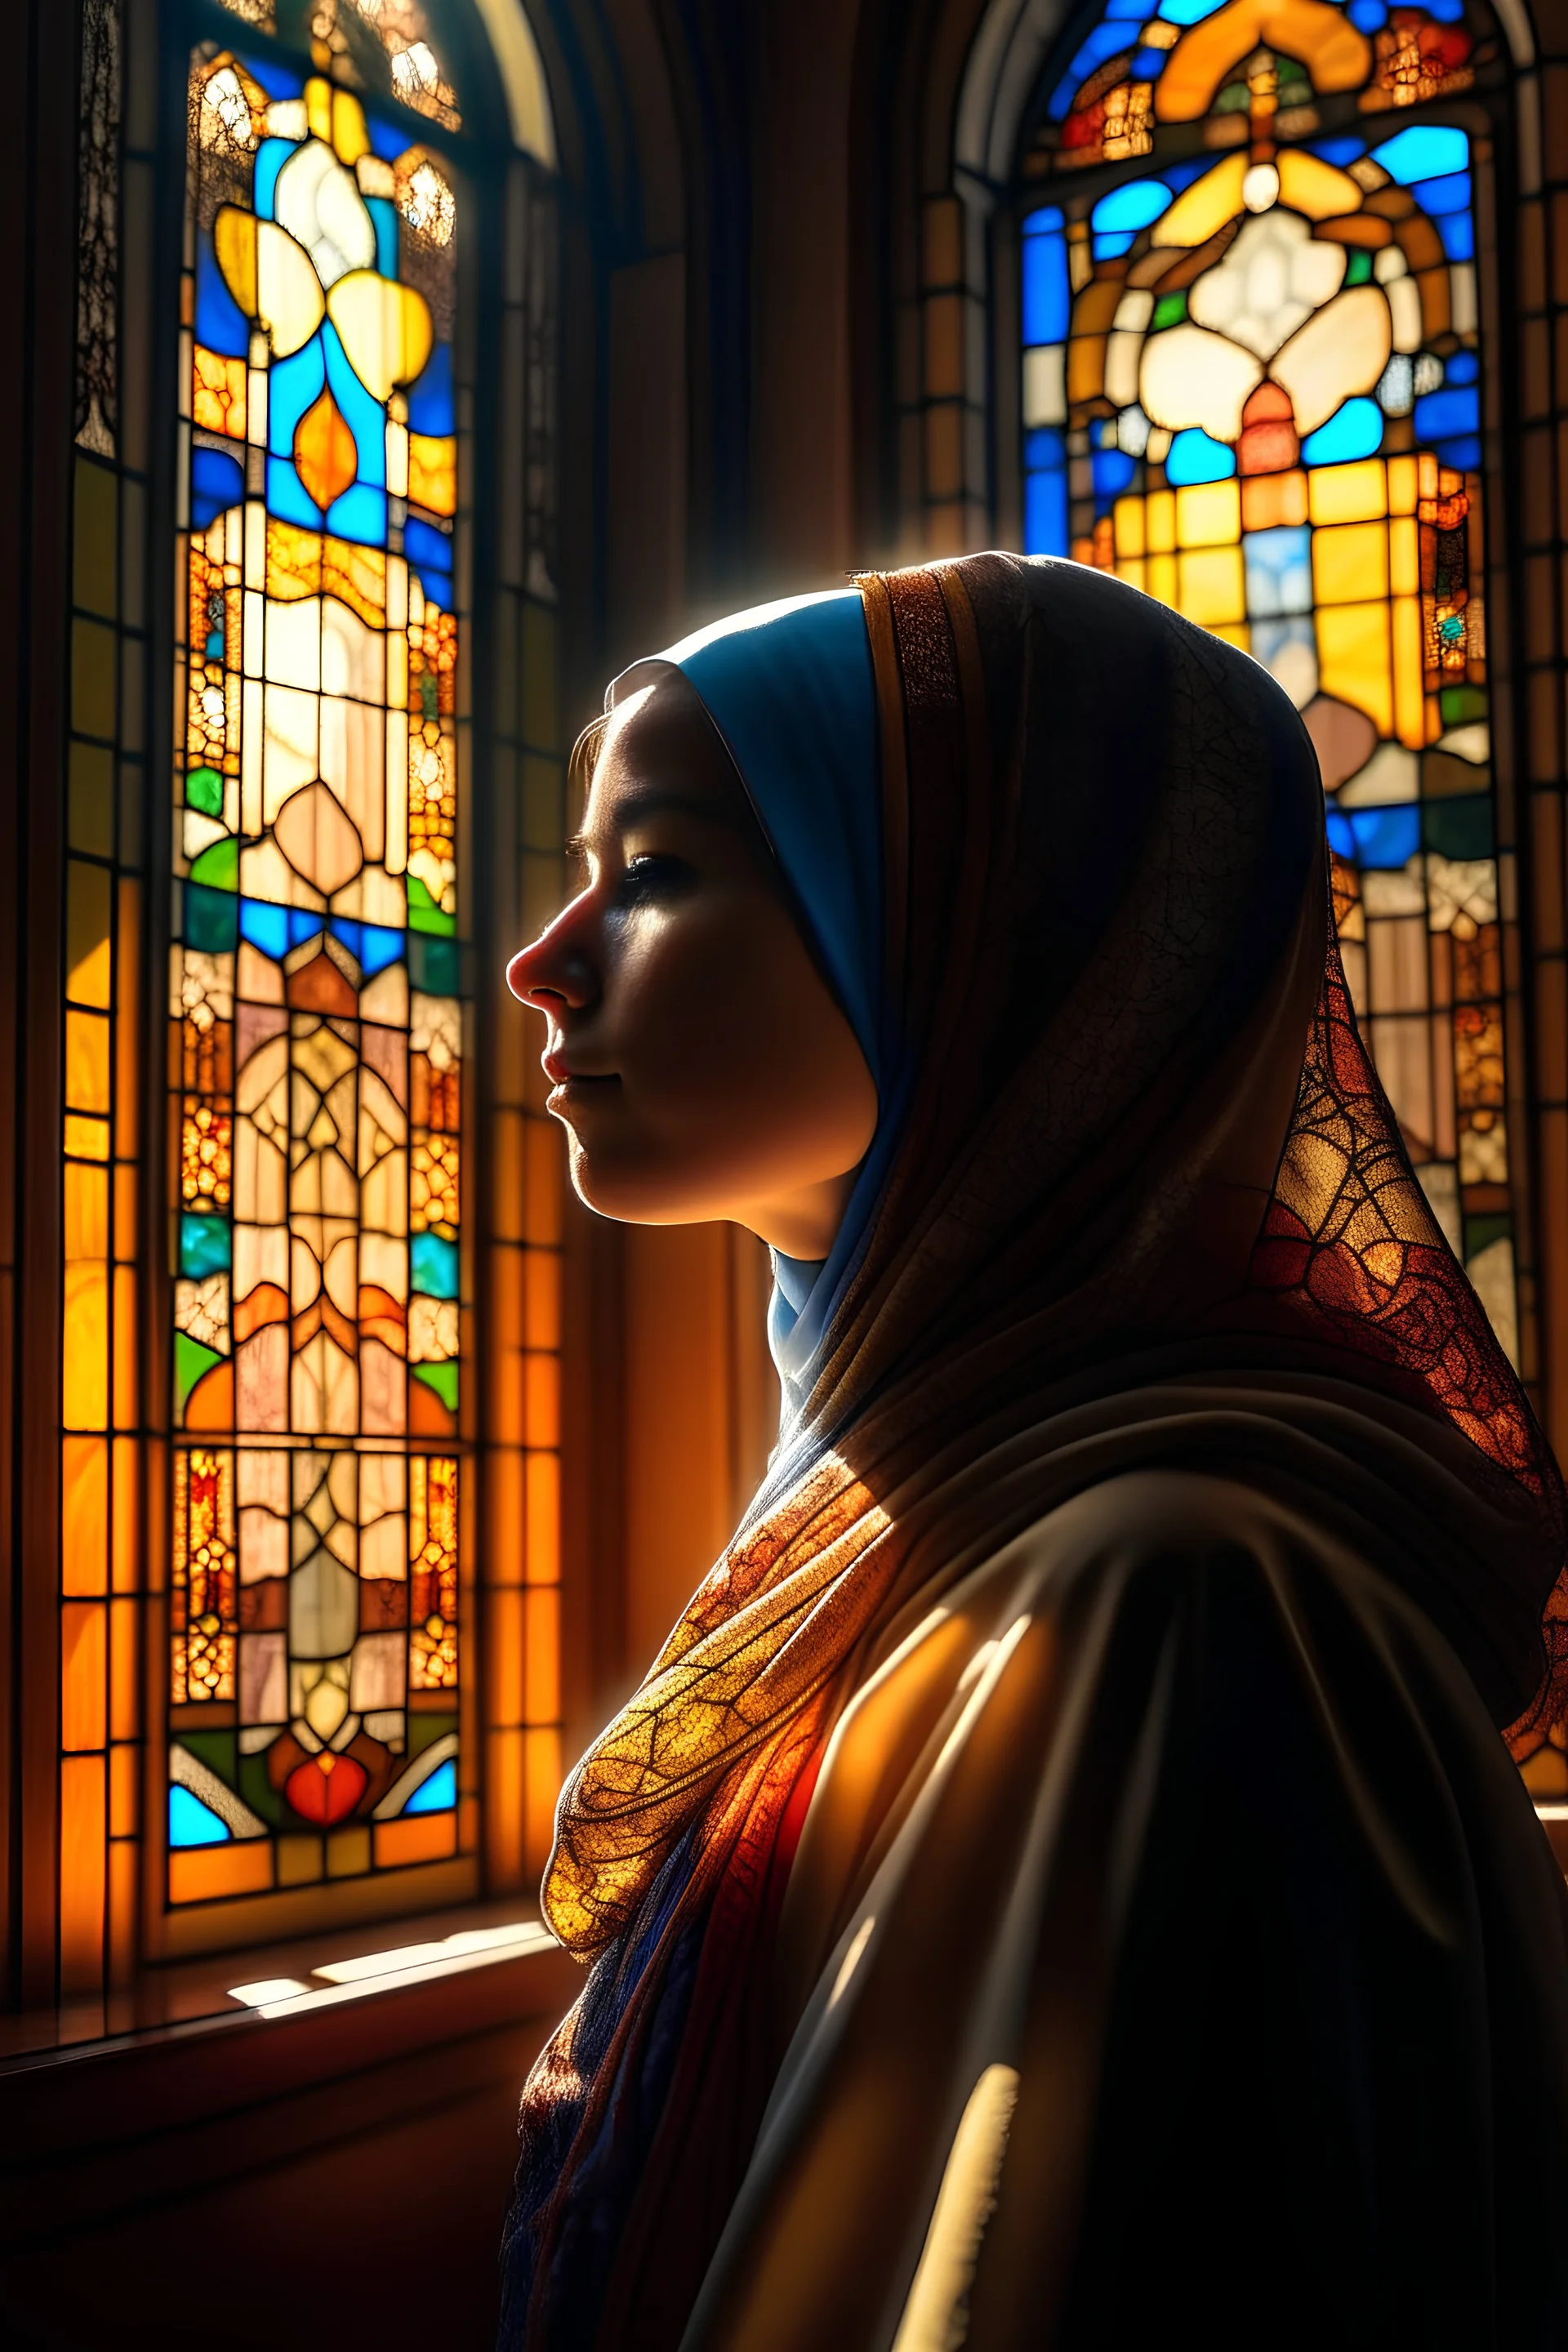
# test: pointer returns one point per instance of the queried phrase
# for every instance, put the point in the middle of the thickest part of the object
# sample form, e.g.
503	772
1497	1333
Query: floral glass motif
1251	385
315	1016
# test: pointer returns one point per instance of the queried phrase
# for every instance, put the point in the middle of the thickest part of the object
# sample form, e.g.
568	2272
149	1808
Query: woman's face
699	1061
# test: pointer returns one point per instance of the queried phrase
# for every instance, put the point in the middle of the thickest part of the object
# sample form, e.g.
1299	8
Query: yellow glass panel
86	1204
1404	558
198	1874
1162	578
1409	703
318	109
433	473
127	1118
1134	570
1347	493
1233	633
84	1401
1354	659
350	140
542	1652
86	1061
1127	522
1335	55
1190	376
218	392
1213	585
82	1840
385	328
1269	499
1206	206
84	1661
541	1488
1208	514
86	1138
1086	367
1161	521
1403	485
1309	185
84	1516
1350	562
88	977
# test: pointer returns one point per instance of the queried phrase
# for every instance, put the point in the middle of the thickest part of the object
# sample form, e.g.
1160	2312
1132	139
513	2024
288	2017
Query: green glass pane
424	1730
423	914
212	918
204	791
218	867
433	965
1460	704
442	1379
1481	1232
1459	828
1169	310
191	1361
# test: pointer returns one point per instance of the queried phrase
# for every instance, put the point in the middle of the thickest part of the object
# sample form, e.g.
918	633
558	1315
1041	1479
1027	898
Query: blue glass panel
1102	43
1188	12
434	1265
1427	151
1456	409
266	927
1127	11
1107	247
431	407
302	924
270	158
1193	457
1355	430
439	1793
1113	471
1339	150
1044	445
363	413
1464	456
291	385
1046	295
1367	16
1045	512
429	552
1449	194
205	1245
1445	11
277	80
221	324
1178	176
388	139
383	212
1386	837
193	1823
1279	571
1341	840
1463	368
1133	206
1148	65
1458	231
379	949
216	484
360	514
1048	217
288	497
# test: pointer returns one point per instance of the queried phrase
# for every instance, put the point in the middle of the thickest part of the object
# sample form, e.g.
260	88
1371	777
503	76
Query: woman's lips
560	1072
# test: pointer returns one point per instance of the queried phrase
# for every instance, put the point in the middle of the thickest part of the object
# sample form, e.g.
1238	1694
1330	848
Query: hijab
1136	1145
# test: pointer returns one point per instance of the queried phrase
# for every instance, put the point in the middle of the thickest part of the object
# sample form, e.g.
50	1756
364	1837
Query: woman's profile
1064	1882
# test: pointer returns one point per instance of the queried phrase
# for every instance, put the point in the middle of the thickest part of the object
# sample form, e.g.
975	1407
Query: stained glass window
1252	385
318	1033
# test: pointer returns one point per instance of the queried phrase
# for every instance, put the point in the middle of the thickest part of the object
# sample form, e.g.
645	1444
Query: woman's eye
649	878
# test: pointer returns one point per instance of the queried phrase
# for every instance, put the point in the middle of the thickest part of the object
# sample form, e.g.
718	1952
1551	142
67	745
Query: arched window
1254	382
305	1197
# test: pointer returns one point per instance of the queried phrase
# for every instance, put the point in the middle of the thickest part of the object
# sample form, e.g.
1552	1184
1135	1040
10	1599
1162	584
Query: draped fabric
1148	1216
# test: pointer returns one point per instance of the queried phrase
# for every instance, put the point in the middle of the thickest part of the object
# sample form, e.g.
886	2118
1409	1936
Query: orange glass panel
84	1400
82	1870
543	1405
542	1785
506	1652
86	1061
417	1837
84	1514
127	1123
542	1654
124	1710
504	1810
126	1509
542	1485
87	934
126	1336
84	1630
124	1762
543	1277
200	1874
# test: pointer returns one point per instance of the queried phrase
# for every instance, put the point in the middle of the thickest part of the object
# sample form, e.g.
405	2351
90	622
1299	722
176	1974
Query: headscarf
1141	1145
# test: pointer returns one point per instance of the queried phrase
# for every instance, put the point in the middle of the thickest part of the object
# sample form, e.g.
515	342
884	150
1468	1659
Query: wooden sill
213	2089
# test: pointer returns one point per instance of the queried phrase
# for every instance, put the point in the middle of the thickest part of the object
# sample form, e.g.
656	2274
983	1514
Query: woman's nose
556	969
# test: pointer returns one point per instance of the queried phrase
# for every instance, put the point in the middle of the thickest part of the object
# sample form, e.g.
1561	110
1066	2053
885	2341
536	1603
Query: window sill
197	2084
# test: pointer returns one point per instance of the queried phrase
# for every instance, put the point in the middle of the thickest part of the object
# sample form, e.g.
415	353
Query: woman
1062	1876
